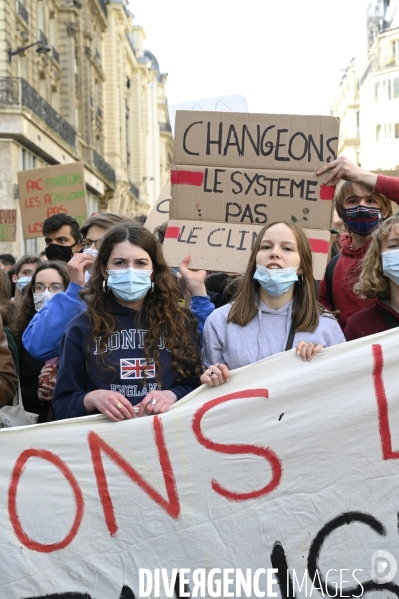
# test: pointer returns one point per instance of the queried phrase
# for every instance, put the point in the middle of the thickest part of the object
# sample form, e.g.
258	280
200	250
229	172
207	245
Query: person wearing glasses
50	280
42	336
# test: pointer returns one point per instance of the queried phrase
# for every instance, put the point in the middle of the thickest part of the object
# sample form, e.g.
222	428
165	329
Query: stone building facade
368	99
85	90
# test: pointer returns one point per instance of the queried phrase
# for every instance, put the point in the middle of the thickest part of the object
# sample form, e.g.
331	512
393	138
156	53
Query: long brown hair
7	307
372	282
160	310
305	309
26	309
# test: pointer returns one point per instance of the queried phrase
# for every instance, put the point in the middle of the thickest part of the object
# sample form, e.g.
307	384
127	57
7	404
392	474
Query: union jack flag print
135	368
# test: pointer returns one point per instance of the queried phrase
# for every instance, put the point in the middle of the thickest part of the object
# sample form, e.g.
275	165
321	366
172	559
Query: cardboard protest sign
51	190
8	225
249	196
255	141
286	467
251	169
159	213
227	248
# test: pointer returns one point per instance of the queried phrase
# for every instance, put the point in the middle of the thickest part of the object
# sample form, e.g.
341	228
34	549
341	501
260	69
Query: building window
395	51
378	132
92	203
127	131
396	87
396	130
28	160
377	86
389	89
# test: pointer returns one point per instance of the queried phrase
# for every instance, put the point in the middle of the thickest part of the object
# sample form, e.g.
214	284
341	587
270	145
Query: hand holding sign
112	404
343	168
43	192
215	375
194	280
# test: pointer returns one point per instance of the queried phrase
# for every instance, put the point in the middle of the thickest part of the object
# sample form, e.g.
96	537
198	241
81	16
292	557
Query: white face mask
390	265
40	299
89	271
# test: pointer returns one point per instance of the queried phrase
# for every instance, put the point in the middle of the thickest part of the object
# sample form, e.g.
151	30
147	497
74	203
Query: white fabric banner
290	470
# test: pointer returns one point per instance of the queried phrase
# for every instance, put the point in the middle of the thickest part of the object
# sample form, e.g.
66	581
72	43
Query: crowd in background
100	323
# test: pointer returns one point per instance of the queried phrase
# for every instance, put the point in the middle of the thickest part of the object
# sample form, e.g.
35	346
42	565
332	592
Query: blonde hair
372	283
345	188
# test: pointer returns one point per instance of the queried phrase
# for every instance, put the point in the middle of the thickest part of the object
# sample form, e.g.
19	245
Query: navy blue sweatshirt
121	369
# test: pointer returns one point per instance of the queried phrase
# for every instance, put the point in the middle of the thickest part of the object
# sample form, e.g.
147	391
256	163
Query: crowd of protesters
100	323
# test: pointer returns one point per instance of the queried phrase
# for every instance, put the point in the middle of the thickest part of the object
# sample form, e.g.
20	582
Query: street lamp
42	49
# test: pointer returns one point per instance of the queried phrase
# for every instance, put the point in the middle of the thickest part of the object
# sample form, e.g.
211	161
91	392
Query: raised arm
42	337
343	168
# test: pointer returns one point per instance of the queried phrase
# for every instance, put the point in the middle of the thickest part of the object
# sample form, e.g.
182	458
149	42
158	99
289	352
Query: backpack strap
329	278
291	336
390	321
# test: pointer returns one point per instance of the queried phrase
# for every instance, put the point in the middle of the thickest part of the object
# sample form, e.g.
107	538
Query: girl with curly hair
379	279
135	349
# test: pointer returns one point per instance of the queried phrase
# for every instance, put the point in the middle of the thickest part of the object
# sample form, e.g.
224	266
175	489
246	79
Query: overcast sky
284	56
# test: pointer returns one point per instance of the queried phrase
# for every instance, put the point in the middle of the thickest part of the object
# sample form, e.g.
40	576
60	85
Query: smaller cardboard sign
8	225
250	196
159	213
244	140
227	247
51	190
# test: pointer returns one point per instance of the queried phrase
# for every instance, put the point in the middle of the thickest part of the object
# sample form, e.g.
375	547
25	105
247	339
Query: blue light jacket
42	337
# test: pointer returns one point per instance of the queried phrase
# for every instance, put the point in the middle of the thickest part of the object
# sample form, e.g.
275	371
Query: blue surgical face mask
22	282
129	284
390	265
276	281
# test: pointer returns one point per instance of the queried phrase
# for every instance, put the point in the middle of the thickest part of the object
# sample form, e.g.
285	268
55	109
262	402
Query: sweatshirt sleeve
201	306
42	336
71	386
350	332
323	295
213	343
389	186
185	386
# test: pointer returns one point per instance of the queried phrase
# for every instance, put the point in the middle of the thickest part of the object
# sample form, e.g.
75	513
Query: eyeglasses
53	288
87	243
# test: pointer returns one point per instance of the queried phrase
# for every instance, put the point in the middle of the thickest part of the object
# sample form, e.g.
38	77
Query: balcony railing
23	13
15	91
104	168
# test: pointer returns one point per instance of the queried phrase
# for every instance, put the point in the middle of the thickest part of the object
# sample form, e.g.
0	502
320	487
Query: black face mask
59	252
